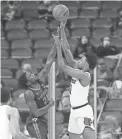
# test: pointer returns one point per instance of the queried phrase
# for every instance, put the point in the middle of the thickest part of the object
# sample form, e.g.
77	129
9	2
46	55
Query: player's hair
91	59
23	81
5	95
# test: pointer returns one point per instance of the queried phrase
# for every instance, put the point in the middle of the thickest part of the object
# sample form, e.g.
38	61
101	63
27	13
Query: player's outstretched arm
50	59
29	97
79	74
65	46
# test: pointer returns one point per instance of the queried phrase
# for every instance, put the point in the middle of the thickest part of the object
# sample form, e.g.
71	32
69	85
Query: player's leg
88	133
37	129
86	127
74	132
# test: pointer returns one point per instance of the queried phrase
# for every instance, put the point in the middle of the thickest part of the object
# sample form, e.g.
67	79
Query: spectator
83	46
103	73
119	20
106	48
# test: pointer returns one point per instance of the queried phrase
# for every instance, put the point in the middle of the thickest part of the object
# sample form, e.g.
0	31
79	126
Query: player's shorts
81	118
37	127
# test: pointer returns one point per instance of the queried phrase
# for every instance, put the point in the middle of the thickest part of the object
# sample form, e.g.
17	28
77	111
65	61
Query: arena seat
37	24
114	105
117	42
111	5
88	13
76	33
91	5
39	34
80	23
41	53
16	35
30	14
47	43
29	5
95	42
25	43
9	63
73	14
37	63
21	53
54	24
117	33
100	32
72	44
117	114
11	83
6	73
59	118
108	13
102	22
4	44
110	63
4	53
15	24
72	5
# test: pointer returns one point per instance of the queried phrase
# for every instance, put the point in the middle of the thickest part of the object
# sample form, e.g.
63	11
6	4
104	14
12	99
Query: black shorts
37	127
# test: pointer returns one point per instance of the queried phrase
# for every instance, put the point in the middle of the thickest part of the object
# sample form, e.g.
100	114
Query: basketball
60	12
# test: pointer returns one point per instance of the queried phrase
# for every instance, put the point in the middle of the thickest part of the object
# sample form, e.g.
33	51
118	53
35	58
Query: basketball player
9	118
36	97
81	116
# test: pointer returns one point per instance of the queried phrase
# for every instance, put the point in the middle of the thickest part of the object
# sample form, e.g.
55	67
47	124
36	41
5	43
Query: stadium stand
27	39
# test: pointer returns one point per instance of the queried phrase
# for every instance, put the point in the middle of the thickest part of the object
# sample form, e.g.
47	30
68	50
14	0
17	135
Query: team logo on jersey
87	121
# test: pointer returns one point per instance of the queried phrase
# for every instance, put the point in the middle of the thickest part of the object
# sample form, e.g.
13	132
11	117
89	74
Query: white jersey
79	94
5	132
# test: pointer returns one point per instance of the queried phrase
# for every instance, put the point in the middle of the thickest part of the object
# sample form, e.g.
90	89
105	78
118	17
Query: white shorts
80	118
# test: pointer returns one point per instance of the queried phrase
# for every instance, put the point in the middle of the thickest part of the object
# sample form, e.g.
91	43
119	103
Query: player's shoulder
28	94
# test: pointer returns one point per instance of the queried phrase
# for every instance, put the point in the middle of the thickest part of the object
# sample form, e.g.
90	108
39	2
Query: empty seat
73	14
54	24
16	34
95	42
102	22
9	63
101	32
39	34
67	32
73	5
15	24
72	44
21	53
41	53
29	5
11	83
117	33
30	14
47	43
4	44
110	63
111	5
76	33
4	53
117	42
91	5
79	23
37	24
6	73
37	63
88	13
26	43
108	13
